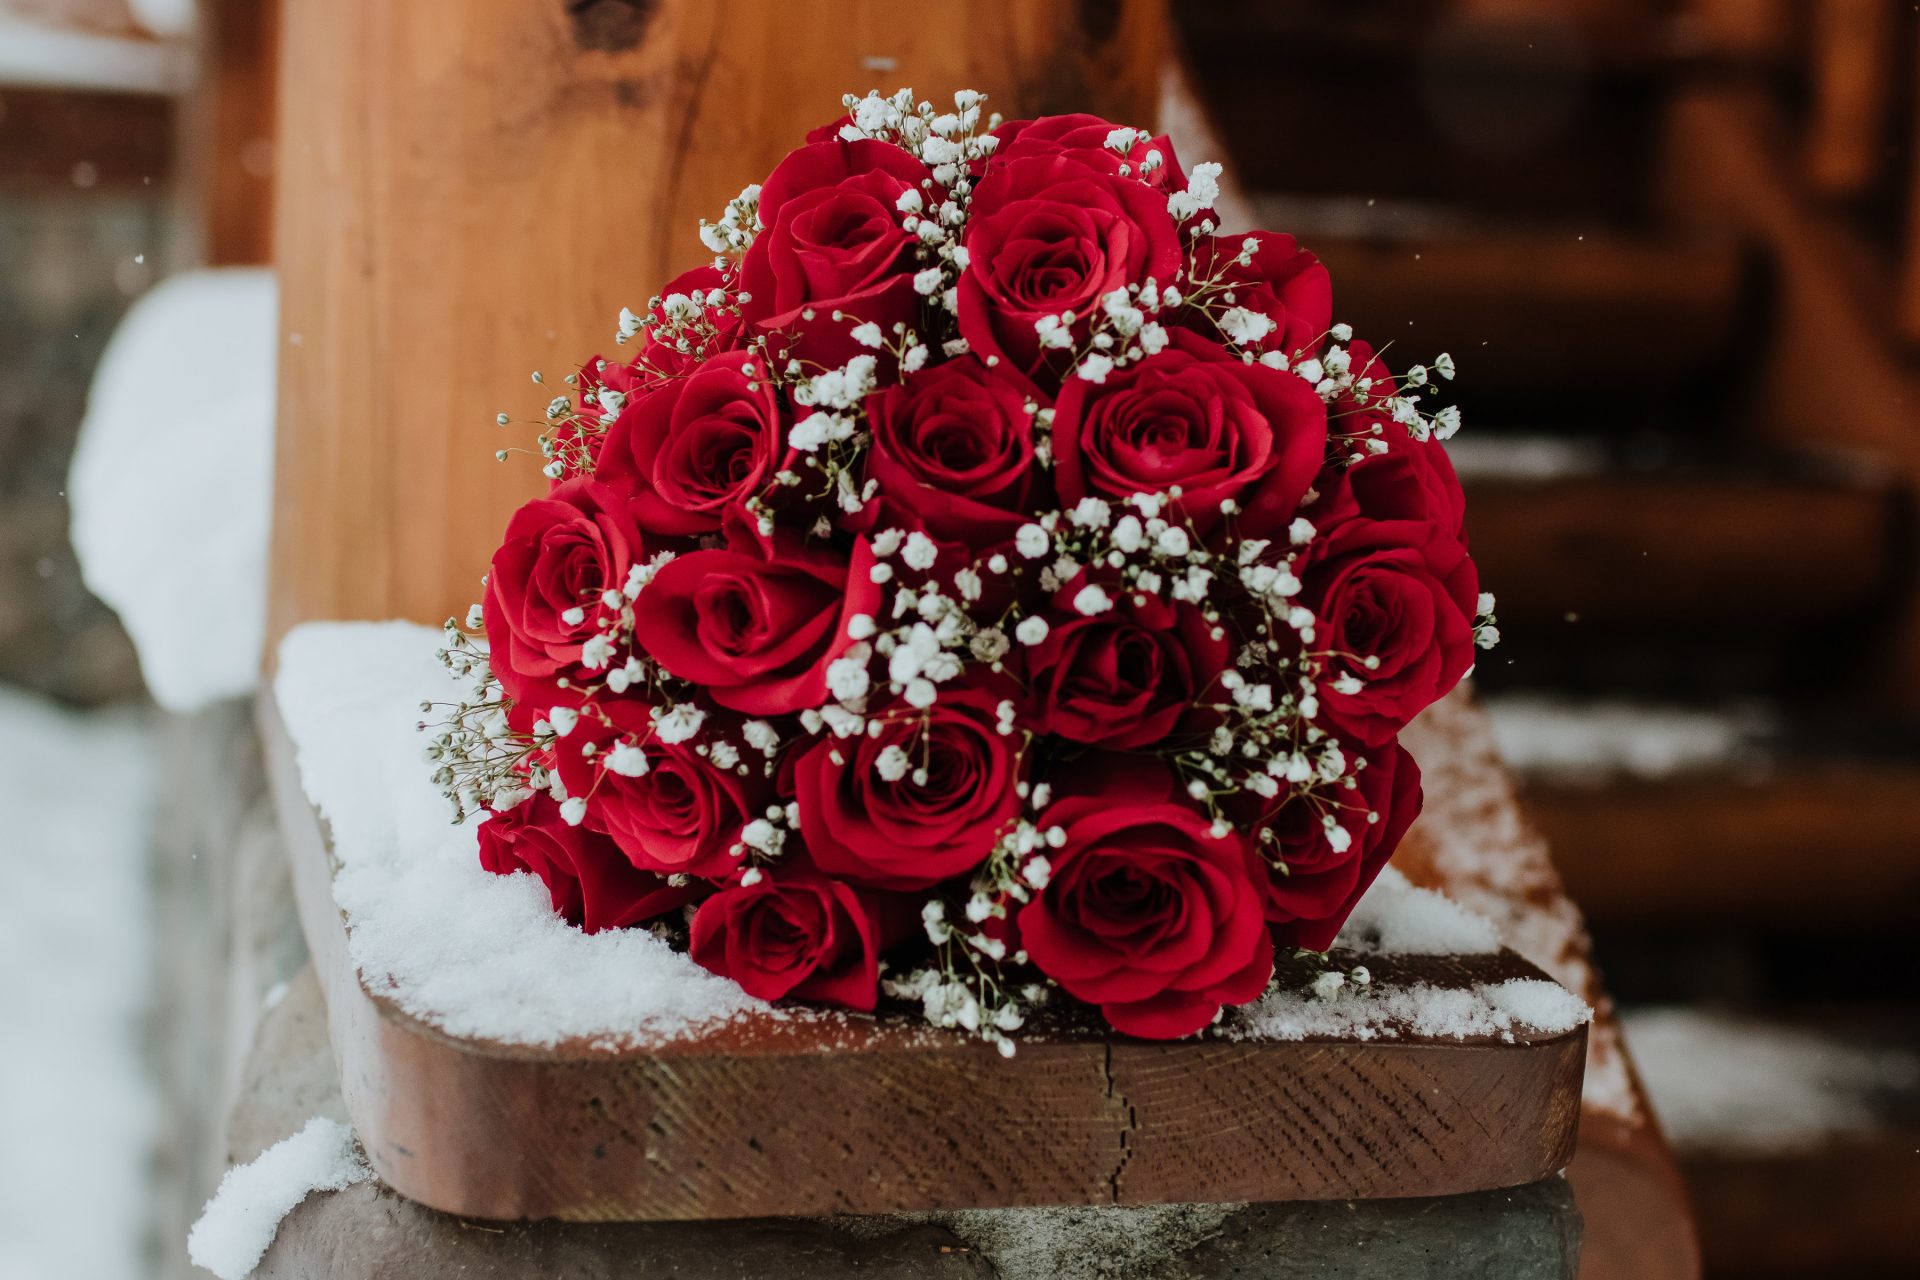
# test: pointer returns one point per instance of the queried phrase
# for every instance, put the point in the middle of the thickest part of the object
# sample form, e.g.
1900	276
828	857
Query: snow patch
1500	1009
239	1223
1397	917
471	953
172	481
1725	1083
1548	736
34	52
79	1112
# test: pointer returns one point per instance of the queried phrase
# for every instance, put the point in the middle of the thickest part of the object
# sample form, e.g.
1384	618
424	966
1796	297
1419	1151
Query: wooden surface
471	189
858	1115
371	1233
231	121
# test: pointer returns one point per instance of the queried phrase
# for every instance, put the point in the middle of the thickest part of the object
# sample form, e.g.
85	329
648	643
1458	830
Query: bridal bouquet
989	582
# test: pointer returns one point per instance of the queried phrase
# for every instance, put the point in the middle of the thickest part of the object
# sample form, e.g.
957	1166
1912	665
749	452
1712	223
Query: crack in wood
1127	1130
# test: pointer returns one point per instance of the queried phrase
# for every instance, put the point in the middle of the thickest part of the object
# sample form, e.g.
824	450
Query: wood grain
764	1116
471	189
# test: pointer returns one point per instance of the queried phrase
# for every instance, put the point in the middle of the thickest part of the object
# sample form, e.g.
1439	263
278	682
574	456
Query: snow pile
172	481
1595	739
1733	1084
1472	837
39	52
239	1223
1352	1012
78	1110
1397	917
472	953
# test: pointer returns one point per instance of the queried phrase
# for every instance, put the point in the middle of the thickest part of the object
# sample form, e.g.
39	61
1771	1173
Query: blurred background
1674	246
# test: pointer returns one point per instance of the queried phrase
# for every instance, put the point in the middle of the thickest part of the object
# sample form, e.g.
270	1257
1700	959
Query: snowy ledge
484	956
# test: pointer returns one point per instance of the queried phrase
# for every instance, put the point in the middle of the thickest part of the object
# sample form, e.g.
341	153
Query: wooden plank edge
888	1123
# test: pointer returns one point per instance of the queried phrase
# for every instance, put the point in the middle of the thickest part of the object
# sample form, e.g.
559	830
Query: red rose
1146	913
1403	593
683	814
590	881
1196	417
756	628
1047	234
1125	678
1312	897
1284	283
833	241
792	933
876	820
1083	138
954	445
694	446
560	554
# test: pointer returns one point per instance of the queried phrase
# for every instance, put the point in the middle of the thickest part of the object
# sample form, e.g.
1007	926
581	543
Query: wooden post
471	189
233	120
1852	92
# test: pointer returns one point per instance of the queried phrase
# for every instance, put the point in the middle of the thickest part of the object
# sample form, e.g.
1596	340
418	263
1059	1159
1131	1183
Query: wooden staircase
1640	228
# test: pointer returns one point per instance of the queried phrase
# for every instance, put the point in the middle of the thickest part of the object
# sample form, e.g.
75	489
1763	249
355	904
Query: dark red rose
1412	480
1313	895
719	330
691	448
757	623
1047	234
905	832
1284	283
684	814
1083	138
793	933
954	444
1402	592
833	241
1125	678
590	881
1146	913
1196	417
560	554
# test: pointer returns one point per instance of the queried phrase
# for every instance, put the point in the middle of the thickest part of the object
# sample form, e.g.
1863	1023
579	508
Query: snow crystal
239	1223
78	1109
1447	1013
1396	917
1593	739
172	481
1735	1084
470	952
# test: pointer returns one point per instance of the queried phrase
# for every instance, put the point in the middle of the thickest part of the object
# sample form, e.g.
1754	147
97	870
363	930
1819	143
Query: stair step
1592	329
1506	107
1661	552
1799	1137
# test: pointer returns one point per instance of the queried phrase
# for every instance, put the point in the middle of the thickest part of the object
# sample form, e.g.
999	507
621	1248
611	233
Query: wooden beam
1738	850
471	189
76	139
